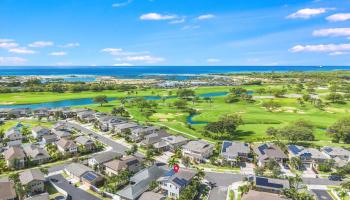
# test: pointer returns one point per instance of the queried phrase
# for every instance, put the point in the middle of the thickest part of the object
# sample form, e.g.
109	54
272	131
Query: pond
189	120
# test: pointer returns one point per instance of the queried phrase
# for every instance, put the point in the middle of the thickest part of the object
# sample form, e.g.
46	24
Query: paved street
76	193
322	195
115	145
320	181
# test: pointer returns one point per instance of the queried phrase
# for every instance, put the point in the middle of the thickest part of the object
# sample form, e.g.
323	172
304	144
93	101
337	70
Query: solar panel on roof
90	176
170	173
294	149
262	148
181	182
265	182
225	145
328	149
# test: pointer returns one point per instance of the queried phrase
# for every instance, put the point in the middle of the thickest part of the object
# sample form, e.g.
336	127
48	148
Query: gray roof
41	129
34	151
175	139
64	143
296	150
122	163
229	148
141	182
30	175
83	140
154	137
106	156
126	125
336	151
11	132
265	151
198	146
78	169
179	179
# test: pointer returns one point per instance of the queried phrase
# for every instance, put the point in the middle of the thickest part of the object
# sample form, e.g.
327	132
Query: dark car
335	177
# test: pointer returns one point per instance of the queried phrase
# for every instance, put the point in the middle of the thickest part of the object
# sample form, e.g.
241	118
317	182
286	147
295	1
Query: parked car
335	177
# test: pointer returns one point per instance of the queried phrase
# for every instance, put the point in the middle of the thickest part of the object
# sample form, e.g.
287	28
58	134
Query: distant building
39	131
198	151
49	139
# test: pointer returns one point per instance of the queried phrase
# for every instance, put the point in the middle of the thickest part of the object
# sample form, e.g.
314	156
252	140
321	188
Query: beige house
7	190
33	179
198	151
67	146
130	163
15	157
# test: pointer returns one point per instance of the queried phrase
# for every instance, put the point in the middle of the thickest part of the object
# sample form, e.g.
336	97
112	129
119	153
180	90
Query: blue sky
174	32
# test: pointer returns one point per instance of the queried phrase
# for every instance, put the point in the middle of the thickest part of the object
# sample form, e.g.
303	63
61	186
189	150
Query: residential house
49	139
41	112
61	133
84	174
4	112
265	152
7	190
309	156
20	112
39	131
337	153
130	163
13	134
153	138
85	142
86	116
33	180
13	143
253	195
15	157
271	184
173	183
106	123
138	134
171	142
67	146
122	128
99	159
198	150
36	154
140	183
234	151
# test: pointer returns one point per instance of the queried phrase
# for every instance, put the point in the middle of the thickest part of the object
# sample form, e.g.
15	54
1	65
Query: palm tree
200	173
173	161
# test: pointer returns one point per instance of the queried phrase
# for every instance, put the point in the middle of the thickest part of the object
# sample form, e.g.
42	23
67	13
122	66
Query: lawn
31	123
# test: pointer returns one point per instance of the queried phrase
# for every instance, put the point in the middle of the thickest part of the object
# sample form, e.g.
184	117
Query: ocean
147	71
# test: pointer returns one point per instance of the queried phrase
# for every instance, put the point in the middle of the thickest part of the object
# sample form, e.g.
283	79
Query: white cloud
306	13
112	51
178	21
157	16
58	53
332	32
22	50
213	60
12	60
338	53
320	48
121	4
70	45
204	17
123	64
190	27
144	58
8	44
339	17
39	44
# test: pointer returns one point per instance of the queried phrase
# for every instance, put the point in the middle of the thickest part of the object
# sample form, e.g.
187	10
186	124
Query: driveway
76	193
322	195
320	181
